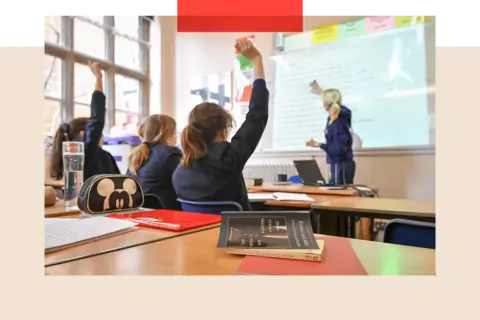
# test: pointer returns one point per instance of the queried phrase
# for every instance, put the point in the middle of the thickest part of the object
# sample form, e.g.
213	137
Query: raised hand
311	143
248	49
315	88
95	67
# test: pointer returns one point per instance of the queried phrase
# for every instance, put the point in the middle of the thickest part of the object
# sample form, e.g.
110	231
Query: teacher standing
338	137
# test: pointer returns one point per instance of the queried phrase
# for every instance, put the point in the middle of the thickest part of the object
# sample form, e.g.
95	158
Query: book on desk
169	219
338	258
64	233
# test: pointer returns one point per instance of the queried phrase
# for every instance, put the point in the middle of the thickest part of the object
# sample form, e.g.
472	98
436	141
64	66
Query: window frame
69	57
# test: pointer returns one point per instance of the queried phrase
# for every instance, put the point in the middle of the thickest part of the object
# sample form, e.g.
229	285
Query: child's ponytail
56	157
65	132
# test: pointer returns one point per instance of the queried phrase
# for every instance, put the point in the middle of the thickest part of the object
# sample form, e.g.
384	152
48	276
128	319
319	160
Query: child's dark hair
65	132
205	122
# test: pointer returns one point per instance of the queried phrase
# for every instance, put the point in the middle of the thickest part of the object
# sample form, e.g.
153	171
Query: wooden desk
118	242
380	208
300	188
319	198
196	254
57	184
58	210
373	208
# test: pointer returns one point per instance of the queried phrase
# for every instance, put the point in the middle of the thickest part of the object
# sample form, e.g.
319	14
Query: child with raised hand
89	131
211	168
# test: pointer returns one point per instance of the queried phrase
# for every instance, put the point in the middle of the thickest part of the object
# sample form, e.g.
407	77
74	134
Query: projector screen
387	79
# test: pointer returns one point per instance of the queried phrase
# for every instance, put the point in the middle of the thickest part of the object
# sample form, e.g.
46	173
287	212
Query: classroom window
127	53
51	116
128	25
126	120
127	96
84	83
89	36
81	110
52	76
120	44
53	30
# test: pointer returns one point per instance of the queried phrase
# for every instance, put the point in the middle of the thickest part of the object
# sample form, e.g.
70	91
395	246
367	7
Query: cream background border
25	293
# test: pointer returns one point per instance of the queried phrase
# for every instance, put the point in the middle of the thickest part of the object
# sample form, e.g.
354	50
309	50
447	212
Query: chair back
152	201
209	207
295	179
410	233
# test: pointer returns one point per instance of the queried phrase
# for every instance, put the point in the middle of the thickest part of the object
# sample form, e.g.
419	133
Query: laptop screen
309	171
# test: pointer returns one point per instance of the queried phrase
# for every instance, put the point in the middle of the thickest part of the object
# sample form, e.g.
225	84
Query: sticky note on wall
325	33
353	28
379	23
405	21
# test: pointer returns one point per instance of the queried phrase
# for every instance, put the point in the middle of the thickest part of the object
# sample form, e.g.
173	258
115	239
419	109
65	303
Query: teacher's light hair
332	98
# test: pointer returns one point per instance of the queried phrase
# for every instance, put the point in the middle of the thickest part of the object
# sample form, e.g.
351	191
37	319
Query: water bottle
73	161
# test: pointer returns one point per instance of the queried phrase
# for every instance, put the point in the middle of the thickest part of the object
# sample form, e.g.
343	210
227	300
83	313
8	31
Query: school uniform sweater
97	160
155	175
218	175
338	138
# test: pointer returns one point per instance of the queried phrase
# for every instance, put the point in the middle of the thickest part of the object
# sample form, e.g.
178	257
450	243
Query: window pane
84	83
81	110
127	94
128	121
94	14
51	117
53	29
127	53
52	76
89	39
128	25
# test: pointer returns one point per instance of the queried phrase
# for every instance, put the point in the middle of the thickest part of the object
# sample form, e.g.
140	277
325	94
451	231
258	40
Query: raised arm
245	141
96	122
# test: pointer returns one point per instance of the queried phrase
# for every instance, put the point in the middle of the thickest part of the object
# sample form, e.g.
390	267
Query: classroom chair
152	201
410	233
209	207
295	179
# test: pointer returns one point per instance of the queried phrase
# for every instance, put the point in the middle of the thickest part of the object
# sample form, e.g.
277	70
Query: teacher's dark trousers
342	173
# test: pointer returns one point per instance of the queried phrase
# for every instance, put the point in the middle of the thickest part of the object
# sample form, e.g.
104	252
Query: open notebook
279	196
63	233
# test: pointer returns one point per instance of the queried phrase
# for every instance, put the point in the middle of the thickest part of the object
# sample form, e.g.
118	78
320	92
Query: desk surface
379	205
58	210
120	241
300	188
196	254
319	198
57	184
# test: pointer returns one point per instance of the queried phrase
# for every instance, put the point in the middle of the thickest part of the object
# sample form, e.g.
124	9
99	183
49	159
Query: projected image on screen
382	78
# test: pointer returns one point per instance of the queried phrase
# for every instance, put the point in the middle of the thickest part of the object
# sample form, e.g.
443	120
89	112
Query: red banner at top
245	8
244	16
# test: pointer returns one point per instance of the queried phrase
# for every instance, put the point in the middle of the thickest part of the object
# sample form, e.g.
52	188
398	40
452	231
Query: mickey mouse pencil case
105	193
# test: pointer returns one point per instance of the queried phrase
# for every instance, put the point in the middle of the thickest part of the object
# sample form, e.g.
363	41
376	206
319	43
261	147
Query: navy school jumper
97	160
155	175
218	176
338	148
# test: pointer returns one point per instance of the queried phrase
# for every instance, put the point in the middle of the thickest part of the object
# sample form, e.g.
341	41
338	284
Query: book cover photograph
272	230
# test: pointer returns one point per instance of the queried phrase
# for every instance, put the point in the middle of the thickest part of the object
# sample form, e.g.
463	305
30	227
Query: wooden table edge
192	231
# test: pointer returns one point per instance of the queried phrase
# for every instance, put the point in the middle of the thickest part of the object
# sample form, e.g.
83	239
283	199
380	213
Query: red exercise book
338	259
169	219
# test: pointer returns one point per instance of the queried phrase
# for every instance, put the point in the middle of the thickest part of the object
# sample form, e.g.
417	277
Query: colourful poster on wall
380	23
353	28
325	34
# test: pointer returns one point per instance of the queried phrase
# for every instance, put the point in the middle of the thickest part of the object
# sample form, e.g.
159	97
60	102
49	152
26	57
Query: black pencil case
106	193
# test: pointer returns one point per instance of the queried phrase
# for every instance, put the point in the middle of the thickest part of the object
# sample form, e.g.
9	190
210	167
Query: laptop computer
170	219
311	175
